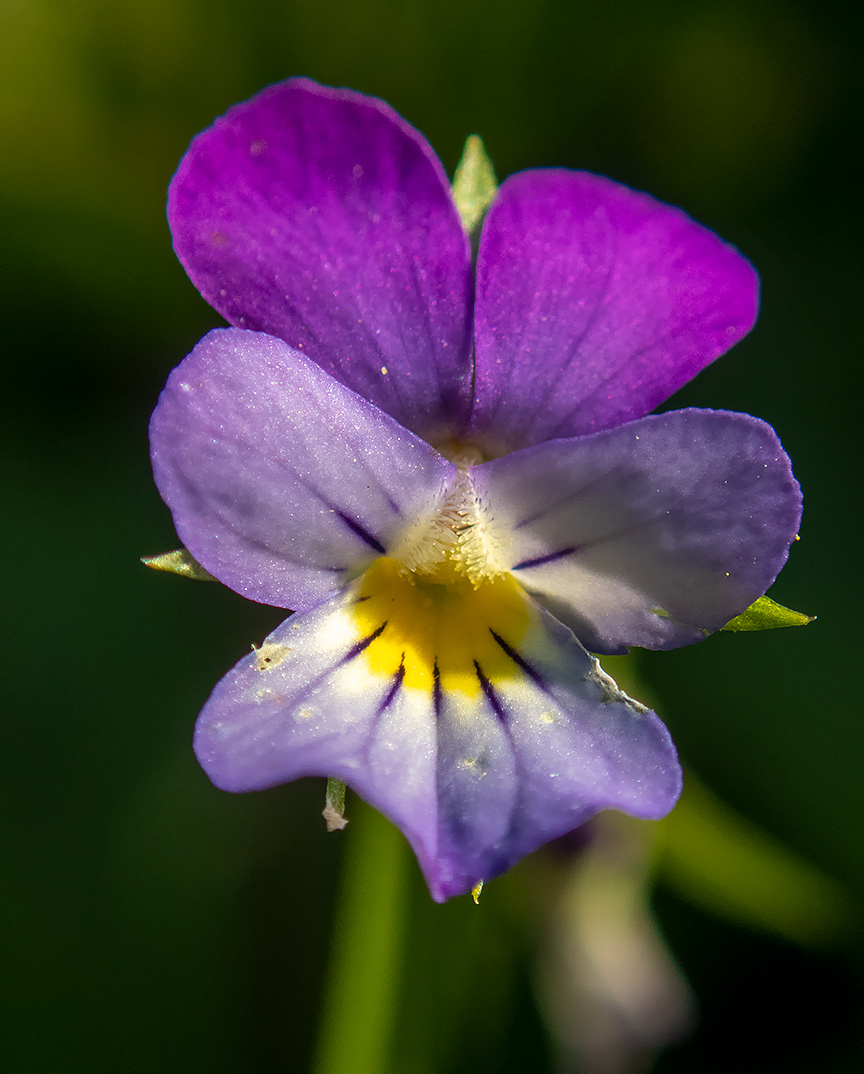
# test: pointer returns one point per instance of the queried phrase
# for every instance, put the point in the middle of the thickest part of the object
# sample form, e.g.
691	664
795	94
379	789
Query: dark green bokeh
155	924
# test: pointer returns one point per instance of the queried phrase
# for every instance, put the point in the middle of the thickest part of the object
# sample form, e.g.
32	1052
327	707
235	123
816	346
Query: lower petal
543	745
307	704
480	744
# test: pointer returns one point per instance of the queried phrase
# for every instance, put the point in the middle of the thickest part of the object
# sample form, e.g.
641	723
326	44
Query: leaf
767	614
178	562
474	184
715	858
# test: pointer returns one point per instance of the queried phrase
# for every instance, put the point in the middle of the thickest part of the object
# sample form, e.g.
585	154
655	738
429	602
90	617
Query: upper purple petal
652	534
282	482
322	217
594	304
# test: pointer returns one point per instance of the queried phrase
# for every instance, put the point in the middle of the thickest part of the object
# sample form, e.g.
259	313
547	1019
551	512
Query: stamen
457	541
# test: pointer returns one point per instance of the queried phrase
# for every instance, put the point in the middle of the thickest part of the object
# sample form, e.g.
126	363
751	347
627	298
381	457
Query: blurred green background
153	924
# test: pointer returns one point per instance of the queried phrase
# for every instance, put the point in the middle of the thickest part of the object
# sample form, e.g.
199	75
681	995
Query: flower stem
361	994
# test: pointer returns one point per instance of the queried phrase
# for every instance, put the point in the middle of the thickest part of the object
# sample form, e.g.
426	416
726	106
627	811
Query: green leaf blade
717	859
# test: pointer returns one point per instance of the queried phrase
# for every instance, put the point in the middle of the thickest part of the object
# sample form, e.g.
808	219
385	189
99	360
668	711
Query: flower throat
443	612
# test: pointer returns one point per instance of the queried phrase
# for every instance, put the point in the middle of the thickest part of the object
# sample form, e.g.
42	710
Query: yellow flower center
440	625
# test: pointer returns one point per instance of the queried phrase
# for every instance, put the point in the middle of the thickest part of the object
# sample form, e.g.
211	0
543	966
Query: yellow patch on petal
444	620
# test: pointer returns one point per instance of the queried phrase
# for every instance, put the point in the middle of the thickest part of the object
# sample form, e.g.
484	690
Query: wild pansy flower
449	476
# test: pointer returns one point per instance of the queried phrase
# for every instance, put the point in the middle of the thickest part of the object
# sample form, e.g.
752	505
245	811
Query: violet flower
452	480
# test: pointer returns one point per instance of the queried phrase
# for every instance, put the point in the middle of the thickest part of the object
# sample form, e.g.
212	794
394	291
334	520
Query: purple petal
307	704
320	216
543	748
282	482
652	534
476	772
594	304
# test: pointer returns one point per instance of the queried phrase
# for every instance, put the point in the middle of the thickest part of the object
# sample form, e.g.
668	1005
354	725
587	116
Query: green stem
361	994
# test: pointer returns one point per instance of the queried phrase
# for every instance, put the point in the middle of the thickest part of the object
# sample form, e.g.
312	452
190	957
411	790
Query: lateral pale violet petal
282	482
594	304
480	749
652	534
322	217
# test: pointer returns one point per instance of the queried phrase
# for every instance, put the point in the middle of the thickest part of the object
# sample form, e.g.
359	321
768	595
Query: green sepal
474	184
334	805
767	614
178	562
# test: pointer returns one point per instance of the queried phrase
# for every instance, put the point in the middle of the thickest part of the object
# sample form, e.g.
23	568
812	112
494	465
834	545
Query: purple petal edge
474	780
322	217
653	534
282	482
594	304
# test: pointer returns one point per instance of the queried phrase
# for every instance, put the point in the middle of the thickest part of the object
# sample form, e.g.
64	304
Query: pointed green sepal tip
474	184
767	614
178	562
